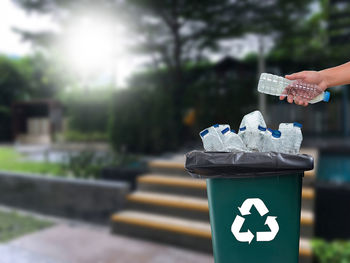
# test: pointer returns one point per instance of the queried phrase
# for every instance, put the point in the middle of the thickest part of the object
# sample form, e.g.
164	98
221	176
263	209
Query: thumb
299	75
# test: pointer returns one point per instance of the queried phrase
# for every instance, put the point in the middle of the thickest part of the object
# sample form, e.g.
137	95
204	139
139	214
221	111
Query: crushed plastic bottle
291	137
277	86
253	136
298	136
211	141
287	138
232	142
218	128
276	140
250	132
268	146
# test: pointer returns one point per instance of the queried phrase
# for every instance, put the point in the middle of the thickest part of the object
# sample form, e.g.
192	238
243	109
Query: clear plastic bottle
211	141
276	85
262	137
276	140
218	128
287	138
298	136
242	133
253	120
272	142
268	146
232	142
249	130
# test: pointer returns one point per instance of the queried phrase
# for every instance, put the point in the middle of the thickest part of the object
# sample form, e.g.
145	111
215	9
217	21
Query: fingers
299	75
298	100
284	94
301	101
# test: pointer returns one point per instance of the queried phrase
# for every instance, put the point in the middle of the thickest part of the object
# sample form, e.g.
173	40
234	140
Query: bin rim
201	164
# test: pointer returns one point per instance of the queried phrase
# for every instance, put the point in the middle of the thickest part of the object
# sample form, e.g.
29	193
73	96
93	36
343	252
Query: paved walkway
67	243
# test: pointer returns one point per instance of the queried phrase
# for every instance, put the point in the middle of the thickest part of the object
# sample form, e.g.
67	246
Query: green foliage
331	252
88	164
22	79
88	114
44	77
13	225
143	115
142	121
10	160
84	165
77	136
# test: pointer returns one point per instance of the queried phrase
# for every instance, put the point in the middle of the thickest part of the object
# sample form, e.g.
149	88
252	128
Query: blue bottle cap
276	134
261	128
243	128
203	133
225	130
270	130
327	96
232	130
297	124
216	125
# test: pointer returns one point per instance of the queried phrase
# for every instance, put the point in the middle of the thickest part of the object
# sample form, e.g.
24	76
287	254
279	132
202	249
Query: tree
176	32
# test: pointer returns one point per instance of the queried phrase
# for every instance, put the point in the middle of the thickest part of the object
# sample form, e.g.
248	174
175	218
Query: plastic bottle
298	136
232	142
276	140
268	146
253	120
249	130
211	141
263	136
287	138
218	128
275	85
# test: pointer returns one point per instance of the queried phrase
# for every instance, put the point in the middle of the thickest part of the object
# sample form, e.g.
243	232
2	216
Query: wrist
325	78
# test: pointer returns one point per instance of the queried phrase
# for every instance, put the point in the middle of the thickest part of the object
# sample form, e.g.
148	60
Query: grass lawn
13	225
10	160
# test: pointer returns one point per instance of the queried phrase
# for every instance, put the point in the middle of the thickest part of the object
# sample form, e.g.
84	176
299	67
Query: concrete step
190	207
178	231
310	176
307	224
308	198
305	251
169	204
185	186
191	234
167	167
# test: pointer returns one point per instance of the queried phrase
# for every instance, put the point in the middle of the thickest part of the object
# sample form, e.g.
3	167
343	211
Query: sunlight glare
91	45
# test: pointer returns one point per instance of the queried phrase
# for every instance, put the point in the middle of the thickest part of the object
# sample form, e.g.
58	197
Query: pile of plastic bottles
253	136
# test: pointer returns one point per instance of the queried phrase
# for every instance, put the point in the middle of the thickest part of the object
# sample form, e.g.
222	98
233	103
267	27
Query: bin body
281	195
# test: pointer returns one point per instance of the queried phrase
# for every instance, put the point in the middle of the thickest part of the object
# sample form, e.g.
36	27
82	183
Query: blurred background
99	101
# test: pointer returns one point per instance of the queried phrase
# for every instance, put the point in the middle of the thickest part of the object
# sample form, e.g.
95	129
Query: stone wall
84	199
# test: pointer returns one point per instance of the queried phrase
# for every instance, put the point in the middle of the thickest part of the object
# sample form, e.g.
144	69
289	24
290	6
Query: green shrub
77	136
88	164
88	113
331	252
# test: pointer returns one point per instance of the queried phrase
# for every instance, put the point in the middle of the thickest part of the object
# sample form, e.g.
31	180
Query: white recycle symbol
260	236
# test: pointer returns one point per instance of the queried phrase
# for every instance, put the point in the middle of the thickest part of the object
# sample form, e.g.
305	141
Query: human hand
309	77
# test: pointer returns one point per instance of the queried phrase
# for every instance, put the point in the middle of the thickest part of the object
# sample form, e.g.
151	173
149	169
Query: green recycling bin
254	204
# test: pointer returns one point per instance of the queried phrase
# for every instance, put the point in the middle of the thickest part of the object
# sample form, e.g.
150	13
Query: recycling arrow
241	236
249	236
274	227
258	203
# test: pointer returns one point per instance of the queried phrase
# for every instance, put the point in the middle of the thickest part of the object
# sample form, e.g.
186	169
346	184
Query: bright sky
10	17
